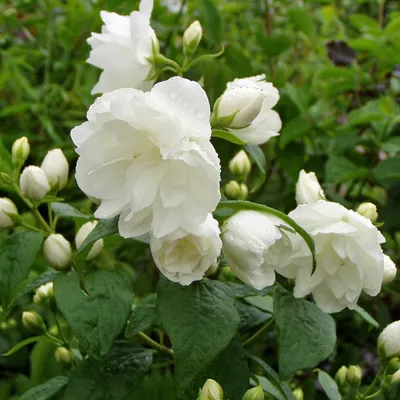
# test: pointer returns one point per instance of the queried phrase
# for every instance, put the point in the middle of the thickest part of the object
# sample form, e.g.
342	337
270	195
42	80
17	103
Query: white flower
308	189
43	293
389	340
8	212
240	165
245	109
349	256
396	377
82	234
56	168
57	251
192	37
20	151
147	156
33	182
254	246
184	256
212	390
389	271
122	50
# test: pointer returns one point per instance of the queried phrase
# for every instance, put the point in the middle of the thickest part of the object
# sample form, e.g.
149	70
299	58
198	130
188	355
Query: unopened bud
43	293
393	365
191	38
63	356
82	234
34	322
368	210
8	213
255	393
57	251
240	165
212	390
236	191
20	151
226	274
308	189
387	382
56	168
298	394
396	377
340	377
389	269
33	182
354	375
213	268
389	341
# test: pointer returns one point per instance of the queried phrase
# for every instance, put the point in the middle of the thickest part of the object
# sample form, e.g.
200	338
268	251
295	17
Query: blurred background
337	66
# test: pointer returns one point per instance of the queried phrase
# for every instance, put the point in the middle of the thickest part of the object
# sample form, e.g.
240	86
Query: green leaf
329	385
26	342
120	374
5	159
213	21
392	29
265	303
228	136
302	20
301	96
247	205
17	255
307	335
105	227
366	317
251	317
270	388
258	157
364	23
387	172
296	128
392	146
46	390
200	321
144	317
65	210
339	169
274	44
97	318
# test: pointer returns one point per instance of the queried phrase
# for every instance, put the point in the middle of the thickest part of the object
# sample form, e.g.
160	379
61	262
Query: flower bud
63	356
82	234
396	377
308	189
340	377
212	390
20	151
213	268
354	375
389	341
226	274
33	182
255	393
389	269
191	38
386	382
298	394
43	293
237	191
56	168
240	165
57	251
368	210
393	365
33	322
8	213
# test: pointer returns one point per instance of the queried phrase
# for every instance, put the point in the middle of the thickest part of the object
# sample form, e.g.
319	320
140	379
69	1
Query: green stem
377	378
54	339
152	343
42	220
374	395
33	228
257	334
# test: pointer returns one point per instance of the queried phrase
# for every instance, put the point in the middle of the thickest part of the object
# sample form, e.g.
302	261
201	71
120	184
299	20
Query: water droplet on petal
173	95
200	114
186	104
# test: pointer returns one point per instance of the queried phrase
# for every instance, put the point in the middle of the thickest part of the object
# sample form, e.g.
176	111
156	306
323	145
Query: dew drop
200	114
186	104
173	95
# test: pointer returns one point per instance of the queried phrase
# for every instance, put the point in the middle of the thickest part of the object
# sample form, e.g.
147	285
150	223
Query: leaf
121	373
257	156
213	20
5	159
46	390
17	255
339	169
274	44
302	20
387	172
200	320
392	146
96	319
230	369
250	317
105	227
364	23
366	317
26	342
329	385
243	290
228	136
144	317
270	388
307	335
301	96
265	303
44	278
65	210
296	128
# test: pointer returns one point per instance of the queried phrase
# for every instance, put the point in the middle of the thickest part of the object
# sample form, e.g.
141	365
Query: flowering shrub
157	252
